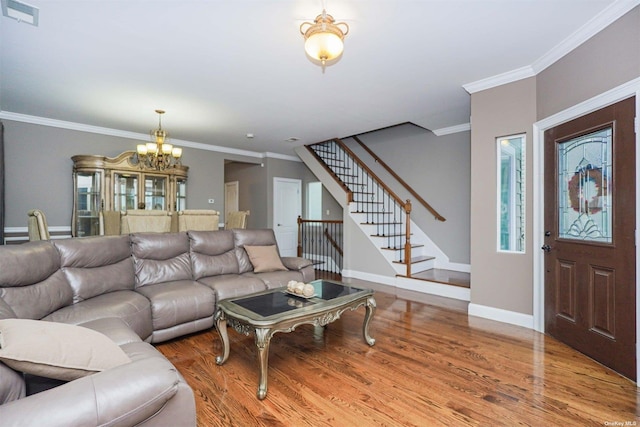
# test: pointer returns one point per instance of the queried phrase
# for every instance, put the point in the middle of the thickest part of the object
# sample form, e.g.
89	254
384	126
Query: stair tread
390	235
381	223
417	259
447	277
402	248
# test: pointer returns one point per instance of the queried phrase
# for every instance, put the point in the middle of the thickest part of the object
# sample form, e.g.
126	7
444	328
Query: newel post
299	236
407	241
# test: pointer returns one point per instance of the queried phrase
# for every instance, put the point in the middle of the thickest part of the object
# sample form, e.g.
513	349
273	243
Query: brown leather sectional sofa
136	289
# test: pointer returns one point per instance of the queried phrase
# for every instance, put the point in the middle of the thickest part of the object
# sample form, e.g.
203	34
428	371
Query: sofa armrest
124	396
295	263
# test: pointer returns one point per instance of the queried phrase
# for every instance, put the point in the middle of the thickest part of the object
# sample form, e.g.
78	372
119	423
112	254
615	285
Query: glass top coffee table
275	310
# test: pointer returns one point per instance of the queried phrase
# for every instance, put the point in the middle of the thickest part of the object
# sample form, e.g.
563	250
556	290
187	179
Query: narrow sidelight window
511	185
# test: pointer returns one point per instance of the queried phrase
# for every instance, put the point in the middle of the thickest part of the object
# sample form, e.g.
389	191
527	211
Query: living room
552	87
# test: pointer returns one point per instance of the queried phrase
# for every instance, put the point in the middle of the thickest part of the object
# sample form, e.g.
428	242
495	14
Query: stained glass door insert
584	188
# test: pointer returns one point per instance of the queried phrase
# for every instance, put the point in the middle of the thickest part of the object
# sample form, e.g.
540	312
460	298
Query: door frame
612	96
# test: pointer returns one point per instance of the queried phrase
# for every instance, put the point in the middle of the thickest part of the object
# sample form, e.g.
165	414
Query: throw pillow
264	258
56	350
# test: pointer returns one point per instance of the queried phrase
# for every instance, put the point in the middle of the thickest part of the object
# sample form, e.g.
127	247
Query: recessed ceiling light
292	139
250	135
21	12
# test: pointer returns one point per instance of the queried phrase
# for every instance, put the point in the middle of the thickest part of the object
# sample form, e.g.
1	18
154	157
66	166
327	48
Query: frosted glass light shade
323	39
324	46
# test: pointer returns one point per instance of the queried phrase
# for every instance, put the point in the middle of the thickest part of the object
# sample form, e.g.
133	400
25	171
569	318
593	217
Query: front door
590	235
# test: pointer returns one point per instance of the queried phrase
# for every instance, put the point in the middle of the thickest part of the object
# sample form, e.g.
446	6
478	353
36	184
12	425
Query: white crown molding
464	127
499	80
43	121
282	157
598	23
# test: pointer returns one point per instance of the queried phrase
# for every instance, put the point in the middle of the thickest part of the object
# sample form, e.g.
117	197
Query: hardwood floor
432	365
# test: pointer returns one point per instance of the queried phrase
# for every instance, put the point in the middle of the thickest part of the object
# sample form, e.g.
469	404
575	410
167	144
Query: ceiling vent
292	139
21	12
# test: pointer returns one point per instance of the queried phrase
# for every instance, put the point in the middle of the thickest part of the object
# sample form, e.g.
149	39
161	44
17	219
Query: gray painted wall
499	279
609	59
39	173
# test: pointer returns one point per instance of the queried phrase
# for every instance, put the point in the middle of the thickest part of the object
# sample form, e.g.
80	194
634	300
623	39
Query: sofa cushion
264	258
6	312
134	309
174	303
233	285
12	385
31	281
56	350
113	328
252	237
212	253
96	265
160	257
276	279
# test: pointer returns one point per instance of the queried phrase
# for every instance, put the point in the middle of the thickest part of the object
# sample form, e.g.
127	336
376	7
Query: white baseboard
385	280
433	288
500	315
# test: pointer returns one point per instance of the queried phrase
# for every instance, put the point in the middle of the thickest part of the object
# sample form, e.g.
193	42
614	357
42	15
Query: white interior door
230	198
287	206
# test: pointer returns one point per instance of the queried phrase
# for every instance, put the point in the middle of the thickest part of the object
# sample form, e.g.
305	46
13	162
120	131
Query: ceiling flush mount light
158	155
324	38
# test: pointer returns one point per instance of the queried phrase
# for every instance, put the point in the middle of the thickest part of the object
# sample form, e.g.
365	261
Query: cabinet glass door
155	192
181	194
88	204
125	191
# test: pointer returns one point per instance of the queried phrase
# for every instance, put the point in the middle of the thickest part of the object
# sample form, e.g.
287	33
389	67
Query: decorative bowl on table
300	289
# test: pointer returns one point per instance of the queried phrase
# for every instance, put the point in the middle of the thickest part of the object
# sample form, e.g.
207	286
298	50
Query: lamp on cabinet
158	154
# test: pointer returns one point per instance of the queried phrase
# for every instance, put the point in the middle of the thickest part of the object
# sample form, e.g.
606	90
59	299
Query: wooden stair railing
413	192
357	179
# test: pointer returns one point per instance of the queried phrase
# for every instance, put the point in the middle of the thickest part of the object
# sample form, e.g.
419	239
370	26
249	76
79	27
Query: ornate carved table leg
221	326
263	338
371	309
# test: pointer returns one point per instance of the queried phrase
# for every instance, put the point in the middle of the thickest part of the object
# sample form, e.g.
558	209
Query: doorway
589	235
287	206
231	196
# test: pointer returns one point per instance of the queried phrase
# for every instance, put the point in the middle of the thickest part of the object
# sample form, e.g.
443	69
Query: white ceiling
222	69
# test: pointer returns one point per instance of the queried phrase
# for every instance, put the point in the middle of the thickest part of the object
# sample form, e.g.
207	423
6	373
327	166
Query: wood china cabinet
118	183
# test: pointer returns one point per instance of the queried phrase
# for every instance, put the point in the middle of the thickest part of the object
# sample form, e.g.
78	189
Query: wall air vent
21	12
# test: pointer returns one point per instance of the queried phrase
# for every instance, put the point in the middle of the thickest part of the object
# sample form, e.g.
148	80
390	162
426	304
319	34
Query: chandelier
324	38
159	154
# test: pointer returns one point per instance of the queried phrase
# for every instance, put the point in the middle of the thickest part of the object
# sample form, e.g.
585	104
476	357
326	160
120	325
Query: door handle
546	248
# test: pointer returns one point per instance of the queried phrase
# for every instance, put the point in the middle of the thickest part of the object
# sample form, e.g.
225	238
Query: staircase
381	214
385	219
